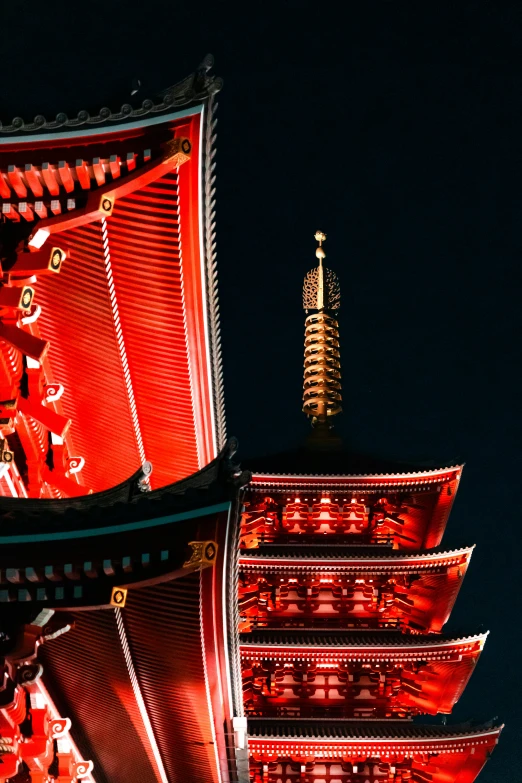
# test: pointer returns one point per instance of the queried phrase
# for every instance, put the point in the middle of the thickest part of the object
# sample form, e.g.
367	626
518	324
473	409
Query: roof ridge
194	88
373	552
428	471
292	634
388	728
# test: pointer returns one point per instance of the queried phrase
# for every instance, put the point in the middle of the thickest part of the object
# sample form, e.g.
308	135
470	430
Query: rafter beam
114	165
5	190
50	180
10	211
82	174
99	173
17	183
33	180
23	341
48	418
66	176
40	209
26	211
48	259
66	485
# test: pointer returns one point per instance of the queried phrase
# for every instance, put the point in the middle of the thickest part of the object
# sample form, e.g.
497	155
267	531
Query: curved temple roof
433	753
195	88
130	325
349	556
373	731
153	666
377	475
30	520
357	641
424	602
430	672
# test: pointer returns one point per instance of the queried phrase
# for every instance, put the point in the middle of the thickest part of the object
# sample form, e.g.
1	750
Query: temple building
166	614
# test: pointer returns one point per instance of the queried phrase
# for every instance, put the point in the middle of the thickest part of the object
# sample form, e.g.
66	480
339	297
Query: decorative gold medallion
106	205
5	455
177	151
118	597
55	259
203	554
26	297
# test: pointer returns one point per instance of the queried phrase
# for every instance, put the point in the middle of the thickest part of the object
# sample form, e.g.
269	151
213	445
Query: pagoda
343	593
117	482
165	614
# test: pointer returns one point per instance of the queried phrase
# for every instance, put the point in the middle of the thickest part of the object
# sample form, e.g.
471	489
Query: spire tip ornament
320	237
322	376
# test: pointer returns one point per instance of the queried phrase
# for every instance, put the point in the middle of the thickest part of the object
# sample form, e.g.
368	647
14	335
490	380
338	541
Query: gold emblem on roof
203	554
119	597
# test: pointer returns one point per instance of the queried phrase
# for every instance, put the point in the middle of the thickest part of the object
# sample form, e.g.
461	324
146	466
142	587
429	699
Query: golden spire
320	254
322	376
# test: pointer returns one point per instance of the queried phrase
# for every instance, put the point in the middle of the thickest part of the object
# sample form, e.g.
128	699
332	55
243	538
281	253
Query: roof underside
144	244
87	675
132	317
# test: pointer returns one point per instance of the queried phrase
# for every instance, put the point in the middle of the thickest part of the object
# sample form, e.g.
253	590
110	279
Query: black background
396	128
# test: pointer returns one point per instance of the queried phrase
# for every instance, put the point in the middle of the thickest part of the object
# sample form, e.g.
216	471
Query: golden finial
322	377
319	253
321	287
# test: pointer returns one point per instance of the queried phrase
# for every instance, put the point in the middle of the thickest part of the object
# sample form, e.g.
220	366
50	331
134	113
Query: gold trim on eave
106	205
203	554
177	151
118	597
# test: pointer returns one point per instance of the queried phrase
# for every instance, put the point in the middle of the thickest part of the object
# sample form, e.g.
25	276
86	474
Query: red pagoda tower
343	591
165	616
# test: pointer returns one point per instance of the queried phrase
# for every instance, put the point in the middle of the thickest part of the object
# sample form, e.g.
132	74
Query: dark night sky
396	128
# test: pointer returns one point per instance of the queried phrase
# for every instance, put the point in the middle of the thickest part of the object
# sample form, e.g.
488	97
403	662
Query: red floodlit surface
88	675
397	515
328	588
411	509
435	754
126	319
340	674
